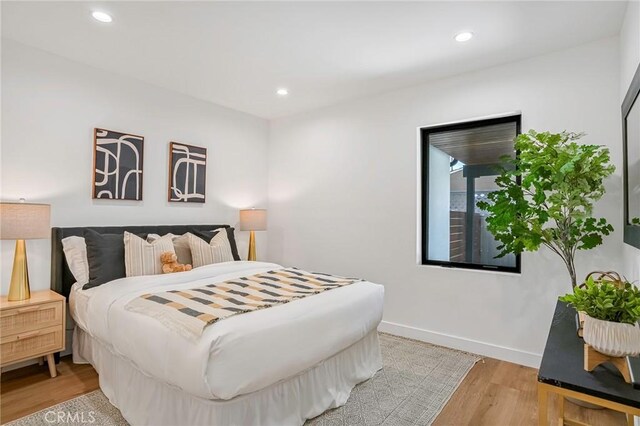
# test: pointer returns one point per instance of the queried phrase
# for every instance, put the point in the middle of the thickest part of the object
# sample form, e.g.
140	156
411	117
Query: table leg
630	419
560	410
52	365
543	406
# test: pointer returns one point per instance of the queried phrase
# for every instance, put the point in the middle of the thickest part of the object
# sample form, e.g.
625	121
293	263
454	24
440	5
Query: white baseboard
19	365
503	353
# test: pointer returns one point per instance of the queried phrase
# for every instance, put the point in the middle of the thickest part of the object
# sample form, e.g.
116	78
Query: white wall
629	61
629	46
439	199
342	197
342	180
50	106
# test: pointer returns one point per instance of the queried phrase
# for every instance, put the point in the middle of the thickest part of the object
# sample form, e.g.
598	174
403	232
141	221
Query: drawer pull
27	335
28	309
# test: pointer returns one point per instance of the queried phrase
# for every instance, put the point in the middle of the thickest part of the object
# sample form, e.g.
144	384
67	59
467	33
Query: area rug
414	385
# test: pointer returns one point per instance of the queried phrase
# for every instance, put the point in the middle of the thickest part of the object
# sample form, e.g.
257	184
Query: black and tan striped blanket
191	311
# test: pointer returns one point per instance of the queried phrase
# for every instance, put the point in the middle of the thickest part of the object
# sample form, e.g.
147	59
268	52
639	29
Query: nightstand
32	328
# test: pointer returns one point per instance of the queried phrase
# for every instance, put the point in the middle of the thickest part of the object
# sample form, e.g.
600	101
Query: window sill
514	274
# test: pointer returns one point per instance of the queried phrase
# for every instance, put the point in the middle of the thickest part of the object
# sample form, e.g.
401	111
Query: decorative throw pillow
218	250
143	258
208	235
75	251
105	254
180	245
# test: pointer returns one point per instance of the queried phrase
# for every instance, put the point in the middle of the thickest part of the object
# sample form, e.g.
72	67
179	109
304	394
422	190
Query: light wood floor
501	393
493	393
30	389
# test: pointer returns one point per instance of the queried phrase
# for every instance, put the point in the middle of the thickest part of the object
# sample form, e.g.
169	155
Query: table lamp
253	220
23	221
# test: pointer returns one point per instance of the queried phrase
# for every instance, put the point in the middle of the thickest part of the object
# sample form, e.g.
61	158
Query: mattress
237	355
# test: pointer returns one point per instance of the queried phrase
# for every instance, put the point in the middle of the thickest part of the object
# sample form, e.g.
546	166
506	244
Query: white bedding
235	356
78	301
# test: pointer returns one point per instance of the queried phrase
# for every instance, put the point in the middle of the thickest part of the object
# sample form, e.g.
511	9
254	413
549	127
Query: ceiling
478	145
238	53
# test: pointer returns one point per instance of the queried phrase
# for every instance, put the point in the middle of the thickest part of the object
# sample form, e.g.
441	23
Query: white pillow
180	245
218	250
143	258
75	251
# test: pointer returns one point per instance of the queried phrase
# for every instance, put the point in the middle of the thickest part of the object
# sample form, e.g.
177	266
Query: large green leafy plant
546	196
606	301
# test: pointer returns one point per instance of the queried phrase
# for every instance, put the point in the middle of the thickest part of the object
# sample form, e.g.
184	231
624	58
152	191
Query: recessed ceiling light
282	92
102	16
464	36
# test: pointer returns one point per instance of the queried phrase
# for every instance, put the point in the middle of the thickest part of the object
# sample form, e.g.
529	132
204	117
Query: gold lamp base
252	246
19	287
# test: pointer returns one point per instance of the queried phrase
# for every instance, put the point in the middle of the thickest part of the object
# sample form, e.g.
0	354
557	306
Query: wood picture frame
117	157
187	173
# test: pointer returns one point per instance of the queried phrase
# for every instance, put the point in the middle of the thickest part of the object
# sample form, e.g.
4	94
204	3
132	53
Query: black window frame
631	233
424	202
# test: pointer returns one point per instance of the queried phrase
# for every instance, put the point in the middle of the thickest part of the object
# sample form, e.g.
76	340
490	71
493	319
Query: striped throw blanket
189	312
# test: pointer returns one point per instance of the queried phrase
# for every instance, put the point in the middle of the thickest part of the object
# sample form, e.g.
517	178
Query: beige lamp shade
253	220
24	221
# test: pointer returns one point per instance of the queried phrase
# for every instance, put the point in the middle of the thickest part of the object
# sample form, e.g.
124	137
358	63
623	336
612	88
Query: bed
275	366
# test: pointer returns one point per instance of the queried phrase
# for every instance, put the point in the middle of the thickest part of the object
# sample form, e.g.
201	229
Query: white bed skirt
143	400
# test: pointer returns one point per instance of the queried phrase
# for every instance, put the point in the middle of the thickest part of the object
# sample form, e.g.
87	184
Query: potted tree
612	309
546	196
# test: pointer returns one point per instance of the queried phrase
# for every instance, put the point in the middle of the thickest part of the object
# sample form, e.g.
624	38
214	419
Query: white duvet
237	355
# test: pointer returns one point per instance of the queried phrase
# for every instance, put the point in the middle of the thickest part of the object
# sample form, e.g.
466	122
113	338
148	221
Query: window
458	169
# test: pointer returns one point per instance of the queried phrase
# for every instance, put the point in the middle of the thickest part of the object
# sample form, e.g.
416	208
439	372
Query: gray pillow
105	253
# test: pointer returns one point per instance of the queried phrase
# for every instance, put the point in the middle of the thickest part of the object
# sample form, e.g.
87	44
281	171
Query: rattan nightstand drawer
32	328
32	317
31	344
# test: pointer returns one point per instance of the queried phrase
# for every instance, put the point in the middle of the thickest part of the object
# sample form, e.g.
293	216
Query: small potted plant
612	311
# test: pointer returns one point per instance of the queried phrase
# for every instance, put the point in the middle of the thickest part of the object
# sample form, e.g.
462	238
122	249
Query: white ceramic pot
612	338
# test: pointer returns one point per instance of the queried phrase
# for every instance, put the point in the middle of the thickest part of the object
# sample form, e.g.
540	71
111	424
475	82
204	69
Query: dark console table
562	373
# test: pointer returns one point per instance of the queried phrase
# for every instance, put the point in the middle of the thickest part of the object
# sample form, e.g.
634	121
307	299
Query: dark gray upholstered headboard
61	277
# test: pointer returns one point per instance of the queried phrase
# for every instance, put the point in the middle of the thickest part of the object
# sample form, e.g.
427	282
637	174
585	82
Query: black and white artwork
117	165
187	173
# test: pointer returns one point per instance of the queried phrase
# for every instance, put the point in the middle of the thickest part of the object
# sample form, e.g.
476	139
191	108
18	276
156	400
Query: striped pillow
218	250
143	258
180	245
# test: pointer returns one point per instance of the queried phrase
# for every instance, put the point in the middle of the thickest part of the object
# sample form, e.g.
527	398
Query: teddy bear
170	263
